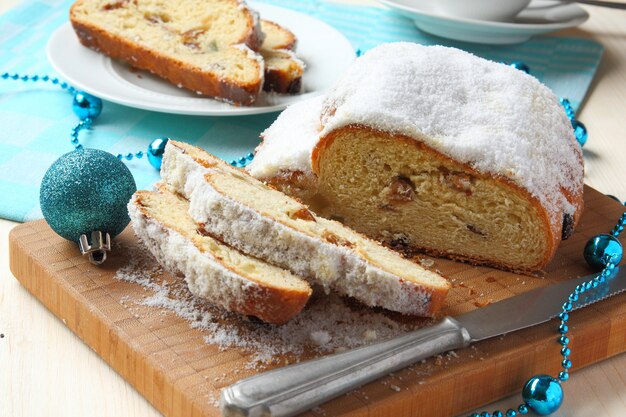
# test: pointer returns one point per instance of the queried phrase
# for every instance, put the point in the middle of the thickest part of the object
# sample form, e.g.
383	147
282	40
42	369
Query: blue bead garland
543	394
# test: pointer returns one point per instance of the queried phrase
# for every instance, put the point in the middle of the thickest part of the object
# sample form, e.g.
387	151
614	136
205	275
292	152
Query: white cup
496	10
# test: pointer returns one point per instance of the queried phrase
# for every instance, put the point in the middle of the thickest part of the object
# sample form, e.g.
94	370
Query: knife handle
296	388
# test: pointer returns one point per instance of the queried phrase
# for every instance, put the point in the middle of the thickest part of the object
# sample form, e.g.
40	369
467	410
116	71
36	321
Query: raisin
568	226
302	214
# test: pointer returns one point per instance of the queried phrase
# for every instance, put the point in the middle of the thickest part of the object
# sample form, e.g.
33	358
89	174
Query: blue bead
78	147
242	161
563	328
15	76
543	394
565	102
250	156
600	248
510	413
519	65
565	351
129	156
564	316
563	376
24	77
497	413
119	156
522	409
139	155
564	340
474	415
580	131
573	298
567	307
86	106
54	81
35	78
358	52
155	152
85	191
64	85
485	414
45	78
566	363
5	75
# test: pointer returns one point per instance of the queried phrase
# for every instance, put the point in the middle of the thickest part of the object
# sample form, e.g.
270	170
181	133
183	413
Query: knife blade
296	388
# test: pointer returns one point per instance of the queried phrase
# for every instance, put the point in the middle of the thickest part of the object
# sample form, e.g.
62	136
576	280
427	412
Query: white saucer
326	52
541	16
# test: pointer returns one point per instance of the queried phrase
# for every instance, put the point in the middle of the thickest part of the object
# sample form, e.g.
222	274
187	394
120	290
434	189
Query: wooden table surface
47	371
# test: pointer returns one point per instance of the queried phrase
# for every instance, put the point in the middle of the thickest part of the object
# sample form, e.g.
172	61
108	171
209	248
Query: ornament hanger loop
98	248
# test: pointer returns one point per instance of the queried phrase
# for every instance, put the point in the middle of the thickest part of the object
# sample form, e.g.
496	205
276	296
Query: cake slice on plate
232	206
283	69
208	49
222	275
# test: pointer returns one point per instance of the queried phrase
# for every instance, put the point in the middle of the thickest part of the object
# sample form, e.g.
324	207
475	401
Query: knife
296	388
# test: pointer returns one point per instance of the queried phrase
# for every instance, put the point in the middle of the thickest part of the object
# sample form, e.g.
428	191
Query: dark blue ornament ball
601	248
86	190
543	394
86	106
155	152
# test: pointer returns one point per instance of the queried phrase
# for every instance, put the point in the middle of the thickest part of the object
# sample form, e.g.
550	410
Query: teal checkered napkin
36	119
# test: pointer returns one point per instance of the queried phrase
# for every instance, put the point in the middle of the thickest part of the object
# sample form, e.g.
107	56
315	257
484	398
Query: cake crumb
320	338
369	335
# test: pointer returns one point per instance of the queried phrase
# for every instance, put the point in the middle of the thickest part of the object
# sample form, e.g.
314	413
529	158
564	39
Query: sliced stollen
207	49
283	69
213	270
245	213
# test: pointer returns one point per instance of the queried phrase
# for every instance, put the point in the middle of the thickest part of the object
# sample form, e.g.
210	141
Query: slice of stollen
213	270
245	213
283	69
207	47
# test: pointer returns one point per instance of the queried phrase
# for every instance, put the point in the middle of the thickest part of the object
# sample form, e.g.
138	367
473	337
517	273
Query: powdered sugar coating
289	141
204	275
497	119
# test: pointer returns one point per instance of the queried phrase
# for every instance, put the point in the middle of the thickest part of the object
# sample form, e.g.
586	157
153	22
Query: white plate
541	16
326	52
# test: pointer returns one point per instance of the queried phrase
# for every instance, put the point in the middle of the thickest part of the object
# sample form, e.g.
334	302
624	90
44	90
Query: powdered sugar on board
328	324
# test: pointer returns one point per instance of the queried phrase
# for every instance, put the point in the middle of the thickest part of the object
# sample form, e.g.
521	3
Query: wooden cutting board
173	367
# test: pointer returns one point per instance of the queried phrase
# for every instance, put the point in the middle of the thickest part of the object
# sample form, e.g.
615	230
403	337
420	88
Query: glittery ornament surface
86	190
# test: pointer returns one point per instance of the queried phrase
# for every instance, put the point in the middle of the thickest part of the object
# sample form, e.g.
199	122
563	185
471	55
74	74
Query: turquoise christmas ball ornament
155	152
86	106
86	191
602	248
543	394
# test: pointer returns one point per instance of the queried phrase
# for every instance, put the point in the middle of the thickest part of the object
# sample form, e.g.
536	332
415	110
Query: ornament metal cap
98	248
